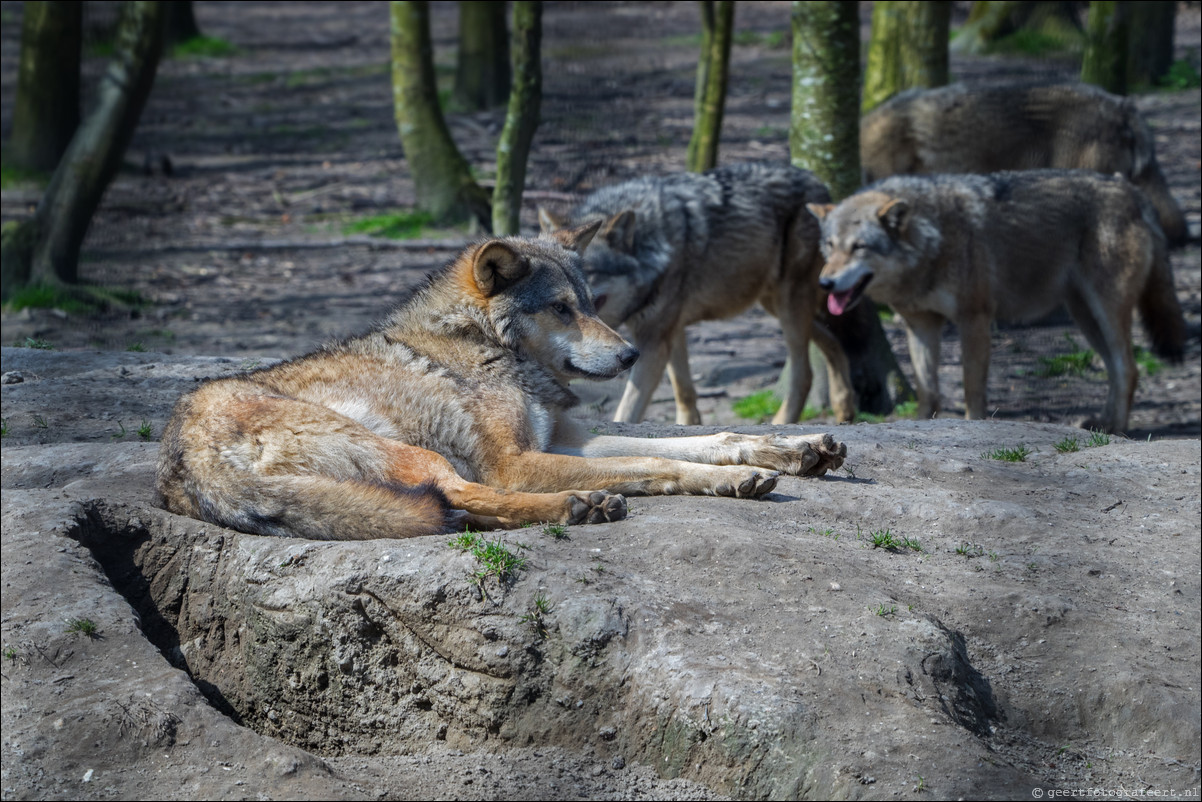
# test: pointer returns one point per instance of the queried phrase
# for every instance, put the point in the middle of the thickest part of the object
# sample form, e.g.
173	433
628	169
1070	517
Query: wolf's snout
628	356
826	283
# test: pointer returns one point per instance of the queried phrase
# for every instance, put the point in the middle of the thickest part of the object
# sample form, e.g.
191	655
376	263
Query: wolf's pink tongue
836	302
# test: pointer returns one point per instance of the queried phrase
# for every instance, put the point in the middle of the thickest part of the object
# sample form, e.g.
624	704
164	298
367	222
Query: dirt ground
240	249
1045	636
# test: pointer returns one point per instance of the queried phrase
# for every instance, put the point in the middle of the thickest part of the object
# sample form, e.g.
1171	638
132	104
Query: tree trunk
824	138
1151	42
1105	62
521	120
908	48
482	64
53	237
442	180
709	98
46	110
181	22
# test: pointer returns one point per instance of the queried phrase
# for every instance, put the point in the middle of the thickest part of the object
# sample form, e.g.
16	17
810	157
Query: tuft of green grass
970	550
759	406
3	427
885	539
10	653
13	177
145	431
557	531
40	423
136	347
536	617
1181	75
203	47
772	39
34	342
906	409
494	557
1097	439
83	626
1147	361
120	434
76	299
395	225
1068	445
883	611
1019	454
1076	363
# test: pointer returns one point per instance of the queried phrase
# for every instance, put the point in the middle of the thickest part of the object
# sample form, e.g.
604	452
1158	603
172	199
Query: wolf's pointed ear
893	216
820	210
577	239
497	266
619	231
549	222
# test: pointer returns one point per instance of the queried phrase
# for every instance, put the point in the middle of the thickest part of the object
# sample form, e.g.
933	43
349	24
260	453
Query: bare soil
239	246
1045	635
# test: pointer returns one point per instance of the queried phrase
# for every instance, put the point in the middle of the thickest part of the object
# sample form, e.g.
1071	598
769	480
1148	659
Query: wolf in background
452	412
689	247
965	129
1009	246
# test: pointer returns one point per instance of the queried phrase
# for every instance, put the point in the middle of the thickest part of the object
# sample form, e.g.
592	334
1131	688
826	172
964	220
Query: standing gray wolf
452	412
689	247
1010	246
958	129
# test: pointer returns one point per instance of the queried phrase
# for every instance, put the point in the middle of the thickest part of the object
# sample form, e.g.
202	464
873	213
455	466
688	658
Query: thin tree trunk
46	109
442	179
709	98
1105	62
908	48
1151	42
181	22
824	137
482	64
54	236
521	120
991	21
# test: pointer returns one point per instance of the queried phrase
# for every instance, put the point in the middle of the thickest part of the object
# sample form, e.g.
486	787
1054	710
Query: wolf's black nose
628	357
827	284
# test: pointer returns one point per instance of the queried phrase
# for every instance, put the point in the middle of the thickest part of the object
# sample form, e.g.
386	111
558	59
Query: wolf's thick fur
962	129
690	247
1008	246
452	412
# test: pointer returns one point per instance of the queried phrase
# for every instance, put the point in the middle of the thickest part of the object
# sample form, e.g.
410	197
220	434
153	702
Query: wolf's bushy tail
323	508
1160	309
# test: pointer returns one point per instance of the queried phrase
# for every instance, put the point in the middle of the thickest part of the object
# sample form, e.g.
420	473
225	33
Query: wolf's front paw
828	455
747	483
805	455
596	507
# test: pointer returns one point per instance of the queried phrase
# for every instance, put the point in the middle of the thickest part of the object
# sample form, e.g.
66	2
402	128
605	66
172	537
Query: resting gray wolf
452	412
961	129
690	247
1010	246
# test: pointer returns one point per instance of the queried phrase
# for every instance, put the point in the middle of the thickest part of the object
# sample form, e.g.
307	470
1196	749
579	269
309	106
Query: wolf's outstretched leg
798	455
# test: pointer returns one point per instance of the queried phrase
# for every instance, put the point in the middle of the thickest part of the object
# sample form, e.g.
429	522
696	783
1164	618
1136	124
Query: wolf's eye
561	309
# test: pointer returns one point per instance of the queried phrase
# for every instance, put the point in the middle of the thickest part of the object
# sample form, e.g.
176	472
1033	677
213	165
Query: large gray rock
1044	635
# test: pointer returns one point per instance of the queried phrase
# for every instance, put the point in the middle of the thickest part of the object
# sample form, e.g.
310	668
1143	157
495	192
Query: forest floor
234	218
1067	583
